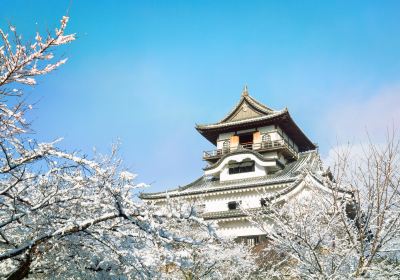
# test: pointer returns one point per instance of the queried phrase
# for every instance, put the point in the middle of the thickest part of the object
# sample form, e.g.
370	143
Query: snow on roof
205	184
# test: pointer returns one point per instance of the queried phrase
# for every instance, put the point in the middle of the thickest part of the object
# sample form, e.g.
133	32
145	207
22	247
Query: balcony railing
265	146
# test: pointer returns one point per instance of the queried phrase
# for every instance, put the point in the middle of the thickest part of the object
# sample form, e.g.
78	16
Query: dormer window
242	167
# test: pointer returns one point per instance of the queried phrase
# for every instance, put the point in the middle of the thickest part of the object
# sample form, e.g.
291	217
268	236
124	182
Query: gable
244	111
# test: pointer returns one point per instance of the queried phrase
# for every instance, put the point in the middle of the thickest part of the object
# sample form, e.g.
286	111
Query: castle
260	155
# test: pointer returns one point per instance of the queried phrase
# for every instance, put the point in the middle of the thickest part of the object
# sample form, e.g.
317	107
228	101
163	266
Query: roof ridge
235	107
252	99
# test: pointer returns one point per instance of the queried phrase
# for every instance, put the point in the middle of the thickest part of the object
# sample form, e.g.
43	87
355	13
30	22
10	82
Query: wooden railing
263	146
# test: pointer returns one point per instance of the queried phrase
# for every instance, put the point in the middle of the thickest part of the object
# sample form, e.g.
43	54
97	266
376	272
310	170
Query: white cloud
356	121
351	119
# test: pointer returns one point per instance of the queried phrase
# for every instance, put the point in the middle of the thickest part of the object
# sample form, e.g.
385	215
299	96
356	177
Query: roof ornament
245	92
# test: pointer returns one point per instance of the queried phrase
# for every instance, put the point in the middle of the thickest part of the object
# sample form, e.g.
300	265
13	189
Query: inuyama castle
260	155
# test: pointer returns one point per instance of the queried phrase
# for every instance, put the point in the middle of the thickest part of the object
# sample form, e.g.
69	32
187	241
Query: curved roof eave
201	127
287	175
238	152
178	193
307	141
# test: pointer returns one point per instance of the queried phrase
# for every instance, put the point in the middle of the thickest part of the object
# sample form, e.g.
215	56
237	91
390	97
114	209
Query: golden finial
245	92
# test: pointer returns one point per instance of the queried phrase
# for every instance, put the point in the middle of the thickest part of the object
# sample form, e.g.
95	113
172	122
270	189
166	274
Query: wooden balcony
277	145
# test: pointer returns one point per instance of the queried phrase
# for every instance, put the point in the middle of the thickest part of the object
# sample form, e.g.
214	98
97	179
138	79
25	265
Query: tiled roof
206	184
239	122
237	213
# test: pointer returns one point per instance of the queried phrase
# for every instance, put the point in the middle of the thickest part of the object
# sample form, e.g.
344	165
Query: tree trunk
23	269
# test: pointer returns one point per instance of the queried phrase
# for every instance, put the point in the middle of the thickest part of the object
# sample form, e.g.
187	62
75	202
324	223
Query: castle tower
260	154
252	133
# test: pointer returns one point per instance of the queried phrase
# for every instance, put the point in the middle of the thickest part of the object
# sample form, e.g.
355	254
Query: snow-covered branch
66	216
353	231
22	63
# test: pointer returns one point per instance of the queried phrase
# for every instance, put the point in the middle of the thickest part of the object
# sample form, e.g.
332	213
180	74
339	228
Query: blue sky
145	72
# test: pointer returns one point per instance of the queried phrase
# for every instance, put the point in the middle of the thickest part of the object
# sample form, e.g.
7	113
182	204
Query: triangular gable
247	108
244	111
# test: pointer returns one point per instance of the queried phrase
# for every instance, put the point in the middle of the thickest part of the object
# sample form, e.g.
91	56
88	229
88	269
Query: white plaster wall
258	171
219	202
250	199
275	135
271	155
232	228
239	158
223	137
266	129
271	131
223	168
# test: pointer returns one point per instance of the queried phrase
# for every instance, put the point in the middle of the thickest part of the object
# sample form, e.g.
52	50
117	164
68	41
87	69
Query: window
246	138
266	138
241	167
226	146
266	141
263	202
201	208
232	205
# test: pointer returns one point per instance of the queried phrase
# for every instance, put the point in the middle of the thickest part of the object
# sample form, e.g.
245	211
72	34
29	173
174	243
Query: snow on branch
64	215
21	64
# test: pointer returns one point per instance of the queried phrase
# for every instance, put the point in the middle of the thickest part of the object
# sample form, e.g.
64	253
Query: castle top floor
253	126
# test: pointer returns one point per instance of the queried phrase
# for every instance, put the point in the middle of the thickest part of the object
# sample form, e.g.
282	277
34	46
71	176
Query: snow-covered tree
350	231
218	259
64	216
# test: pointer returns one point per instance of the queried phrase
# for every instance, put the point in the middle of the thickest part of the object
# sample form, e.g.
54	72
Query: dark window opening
242	167
214	179
246	138
232	205
263	202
